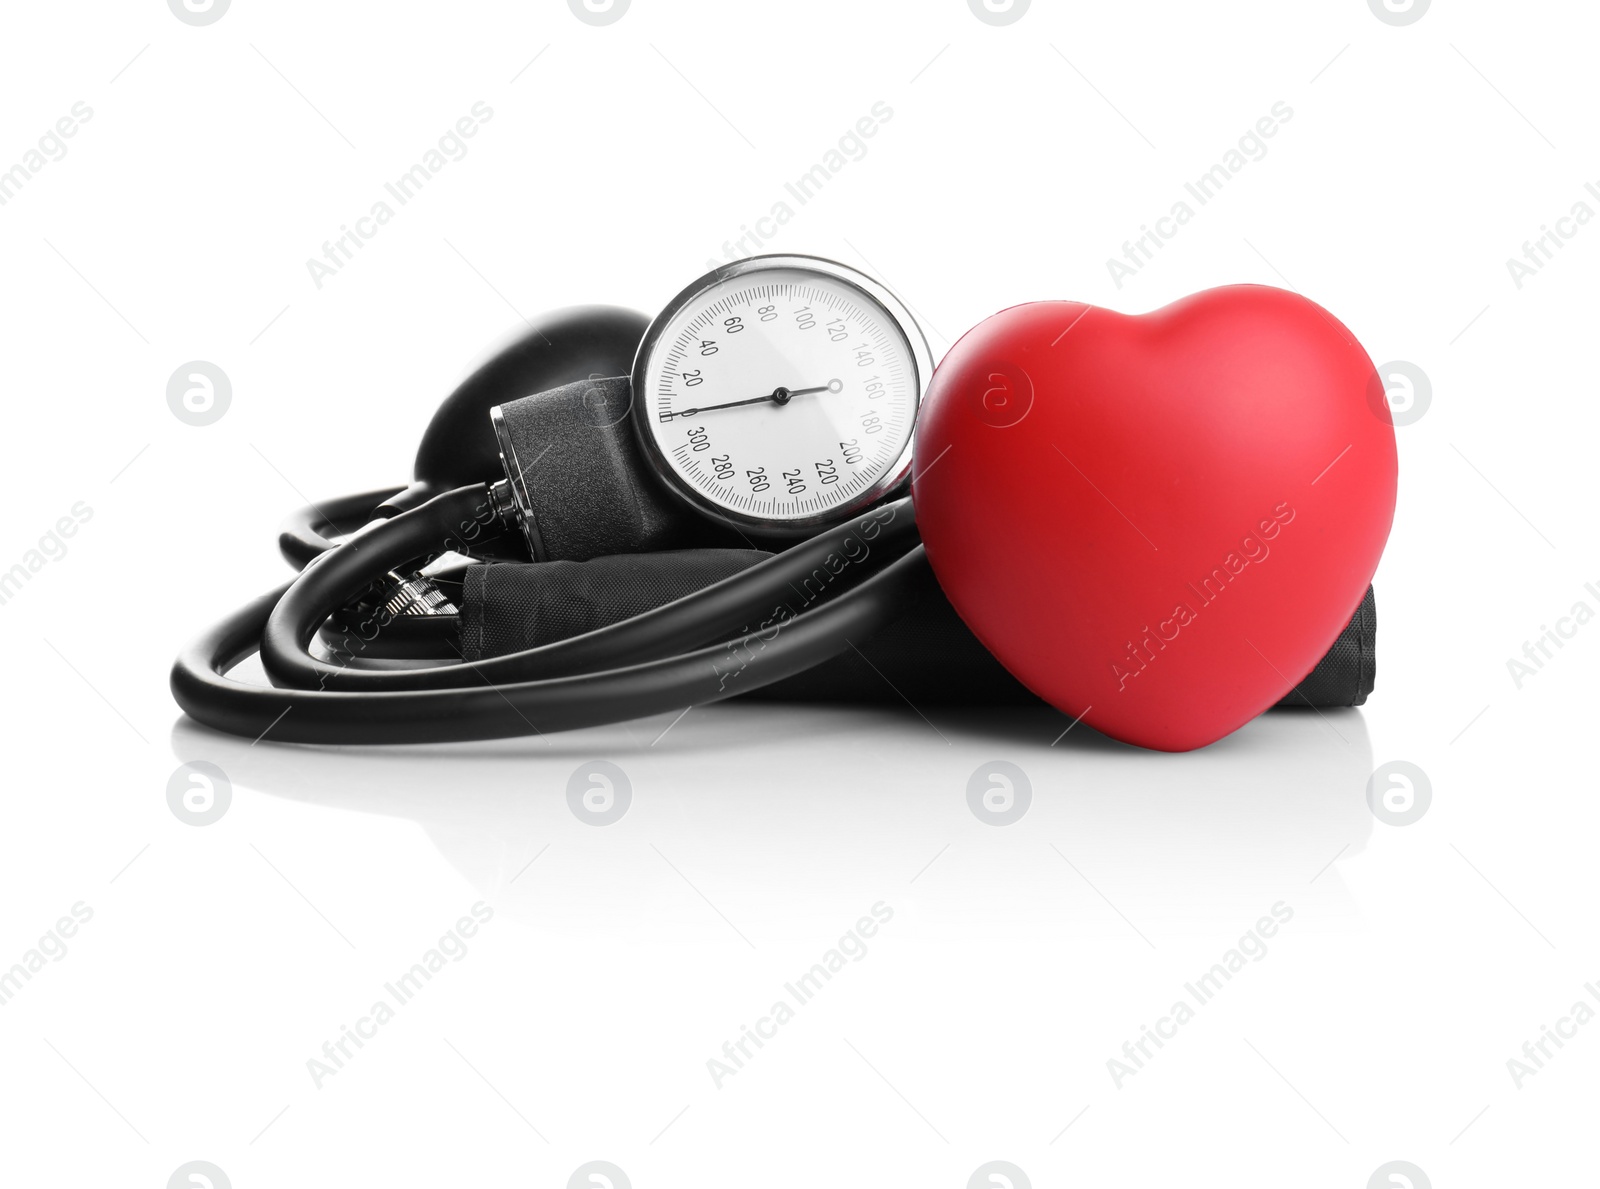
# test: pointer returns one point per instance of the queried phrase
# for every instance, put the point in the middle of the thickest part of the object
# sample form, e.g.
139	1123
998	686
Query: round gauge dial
779	393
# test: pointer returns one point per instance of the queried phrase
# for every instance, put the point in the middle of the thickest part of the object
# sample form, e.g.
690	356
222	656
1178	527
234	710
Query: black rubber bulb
555	348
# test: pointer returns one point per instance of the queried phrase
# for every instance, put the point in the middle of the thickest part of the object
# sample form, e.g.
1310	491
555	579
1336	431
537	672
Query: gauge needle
778	396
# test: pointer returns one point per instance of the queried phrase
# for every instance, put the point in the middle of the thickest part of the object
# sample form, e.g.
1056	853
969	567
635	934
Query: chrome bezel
879	294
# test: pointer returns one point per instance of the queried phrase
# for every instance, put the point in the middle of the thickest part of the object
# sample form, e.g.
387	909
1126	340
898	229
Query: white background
1019	959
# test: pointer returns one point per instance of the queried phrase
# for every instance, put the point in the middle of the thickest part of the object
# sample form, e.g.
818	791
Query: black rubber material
485	710
305	533
552	349
722	609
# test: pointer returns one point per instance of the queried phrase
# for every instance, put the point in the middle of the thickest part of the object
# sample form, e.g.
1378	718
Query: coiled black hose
628	670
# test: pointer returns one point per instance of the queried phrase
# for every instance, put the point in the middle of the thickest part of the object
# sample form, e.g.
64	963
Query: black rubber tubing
714	613
304	534
497	711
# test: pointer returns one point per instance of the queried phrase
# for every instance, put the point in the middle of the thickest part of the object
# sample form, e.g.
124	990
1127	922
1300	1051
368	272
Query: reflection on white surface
973	1013
800	812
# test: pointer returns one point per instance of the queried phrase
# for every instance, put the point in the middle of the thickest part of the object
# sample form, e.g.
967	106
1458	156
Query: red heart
1159	522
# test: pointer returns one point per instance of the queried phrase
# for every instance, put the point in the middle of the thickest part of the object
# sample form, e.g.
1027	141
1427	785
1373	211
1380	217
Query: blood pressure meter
621	562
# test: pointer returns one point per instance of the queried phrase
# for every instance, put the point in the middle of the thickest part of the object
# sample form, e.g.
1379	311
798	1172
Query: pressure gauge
778	394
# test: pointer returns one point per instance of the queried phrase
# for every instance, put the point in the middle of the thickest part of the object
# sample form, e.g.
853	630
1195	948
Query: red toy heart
1160	522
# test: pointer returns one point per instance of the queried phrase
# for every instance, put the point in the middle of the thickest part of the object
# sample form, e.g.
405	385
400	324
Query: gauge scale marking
781	393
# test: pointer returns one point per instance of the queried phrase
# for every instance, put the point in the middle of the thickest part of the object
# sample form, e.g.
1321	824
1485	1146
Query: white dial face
781	394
